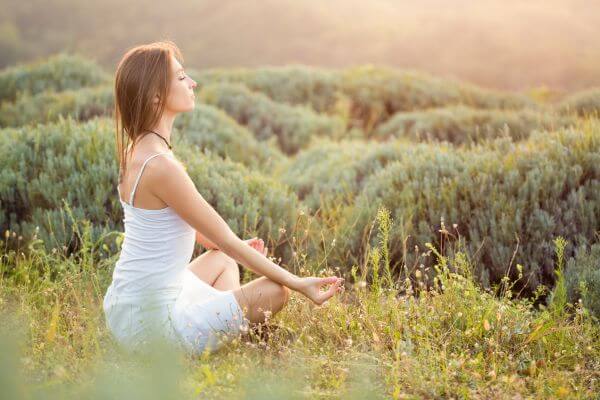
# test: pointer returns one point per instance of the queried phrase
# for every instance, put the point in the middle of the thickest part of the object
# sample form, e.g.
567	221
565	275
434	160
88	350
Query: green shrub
378	93
296	85
213	130
81	104
584	103
582	278
363	96
537	190
44	165
330	170
57	73
291	127
460	124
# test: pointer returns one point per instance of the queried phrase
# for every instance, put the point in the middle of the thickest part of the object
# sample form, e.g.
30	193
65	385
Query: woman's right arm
172	184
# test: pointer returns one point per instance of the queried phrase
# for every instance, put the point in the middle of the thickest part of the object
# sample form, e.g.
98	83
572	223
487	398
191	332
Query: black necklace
170	147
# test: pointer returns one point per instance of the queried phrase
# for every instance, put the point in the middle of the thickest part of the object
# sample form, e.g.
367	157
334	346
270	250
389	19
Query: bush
41	166
56	73
582	278
378	93
292	127
364	96
295	85
461	124
584	103
330	170
212	130
81	104
535	191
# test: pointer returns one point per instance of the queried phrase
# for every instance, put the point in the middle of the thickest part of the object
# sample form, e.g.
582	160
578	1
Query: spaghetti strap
137	180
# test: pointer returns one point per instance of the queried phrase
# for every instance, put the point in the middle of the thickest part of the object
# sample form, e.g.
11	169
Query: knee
229	263
281	292
286	294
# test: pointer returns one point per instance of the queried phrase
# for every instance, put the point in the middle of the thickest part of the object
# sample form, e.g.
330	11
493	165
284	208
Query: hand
258	245
311	288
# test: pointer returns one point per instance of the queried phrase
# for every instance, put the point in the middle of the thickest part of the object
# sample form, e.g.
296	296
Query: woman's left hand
258	245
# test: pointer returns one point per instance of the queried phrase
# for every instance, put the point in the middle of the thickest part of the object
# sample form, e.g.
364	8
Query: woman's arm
205	242
171	183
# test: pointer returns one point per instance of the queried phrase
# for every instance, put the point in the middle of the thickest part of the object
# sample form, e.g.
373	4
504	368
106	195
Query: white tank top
156	249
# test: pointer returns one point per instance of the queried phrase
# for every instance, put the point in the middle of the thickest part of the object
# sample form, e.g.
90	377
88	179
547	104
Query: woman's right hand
311	288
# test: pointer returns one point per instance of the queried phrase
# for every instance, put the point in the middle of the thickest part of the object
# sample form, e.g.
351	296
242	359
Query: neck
165	126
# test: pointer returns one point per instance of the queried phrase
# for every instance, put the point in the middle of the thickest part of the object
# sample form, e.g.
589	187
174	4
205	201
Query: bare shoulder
168	178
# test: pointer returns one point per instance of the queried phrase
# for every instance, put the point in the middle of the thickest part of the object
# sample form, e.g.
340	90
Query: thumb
333	289
328	280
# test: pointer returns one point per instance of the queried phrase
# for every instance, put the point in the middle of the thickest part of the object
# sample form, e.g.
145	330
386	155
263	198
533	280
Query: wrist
293	282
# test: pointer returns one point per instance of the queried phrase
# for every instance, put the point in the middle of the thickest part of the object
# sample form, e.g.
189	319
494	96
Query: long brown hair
143	72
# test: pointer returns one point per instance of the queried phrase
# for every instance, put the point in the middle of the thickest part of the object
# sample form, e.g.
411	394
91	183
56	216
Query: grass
444	338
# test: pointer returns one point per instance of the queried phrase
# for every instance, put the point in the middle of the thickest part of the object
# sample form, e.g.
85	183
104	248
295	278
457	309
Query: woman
156	290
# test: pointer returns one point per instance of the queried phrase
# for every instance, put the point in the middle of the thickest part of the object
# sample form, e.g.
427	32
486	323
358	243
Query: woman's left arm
255	242
205	242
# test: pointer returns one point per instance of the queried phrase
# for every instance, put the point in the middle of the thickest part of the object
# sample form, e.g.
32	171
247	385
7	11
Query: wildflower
486	325
7	234
362	284
14	234
282	230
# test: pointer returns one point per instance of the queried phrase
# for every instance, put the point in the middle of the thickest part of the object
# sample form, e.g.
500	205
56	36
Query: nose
194	84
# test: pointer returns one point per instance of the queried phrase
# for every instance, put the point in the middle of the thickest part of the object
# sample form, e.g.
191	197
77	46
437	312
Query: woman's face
181	93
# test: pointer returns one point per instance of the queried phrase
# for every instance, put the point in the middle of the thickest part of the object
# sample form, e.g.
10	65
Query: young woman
155	289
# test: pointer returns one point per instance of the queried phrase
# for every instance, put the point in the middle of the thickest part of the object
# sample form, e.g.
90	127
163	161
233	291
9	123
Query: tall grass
381	339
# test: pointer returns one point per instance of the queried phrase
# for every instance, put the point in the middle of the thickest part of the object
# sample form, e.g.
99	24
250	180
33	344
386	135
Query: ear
156	99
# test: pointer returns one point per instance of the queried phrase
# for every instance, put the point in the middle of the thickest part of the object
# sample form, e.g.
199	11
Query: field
465	221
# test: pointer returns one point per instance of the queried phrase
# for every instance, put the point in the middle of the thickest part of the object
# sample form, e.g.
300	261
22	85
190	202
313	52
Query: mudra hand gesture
258	244
311	286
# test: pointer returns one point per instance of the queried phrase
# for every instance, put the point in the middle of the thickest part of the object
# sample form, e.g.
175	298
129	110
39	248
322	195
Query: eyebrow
180	69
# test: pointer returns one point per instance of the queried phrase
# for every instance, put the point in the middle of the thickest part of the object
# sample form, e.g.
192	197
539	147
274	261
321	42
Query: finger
265	251
324	296
328	281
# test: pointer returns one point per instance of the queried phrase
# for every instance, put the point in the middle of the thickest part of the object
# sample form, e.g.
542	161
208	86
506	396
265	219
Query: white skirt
197	316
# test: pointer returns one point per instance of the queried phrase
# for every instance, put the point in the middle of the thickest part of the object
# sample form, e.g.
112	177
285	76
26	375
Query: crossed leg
256	298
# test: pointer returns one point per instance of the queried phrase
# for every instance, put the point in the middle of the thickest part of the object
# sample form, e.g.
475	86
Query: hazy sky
501	43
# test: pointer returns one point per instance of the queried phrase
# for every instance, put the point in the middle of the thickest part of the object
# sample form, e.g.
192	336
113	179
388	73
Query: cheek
179	96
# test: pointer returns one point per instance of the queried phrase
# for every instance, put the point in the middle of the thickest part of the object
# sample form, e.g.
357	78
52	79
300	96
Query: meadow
464	219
